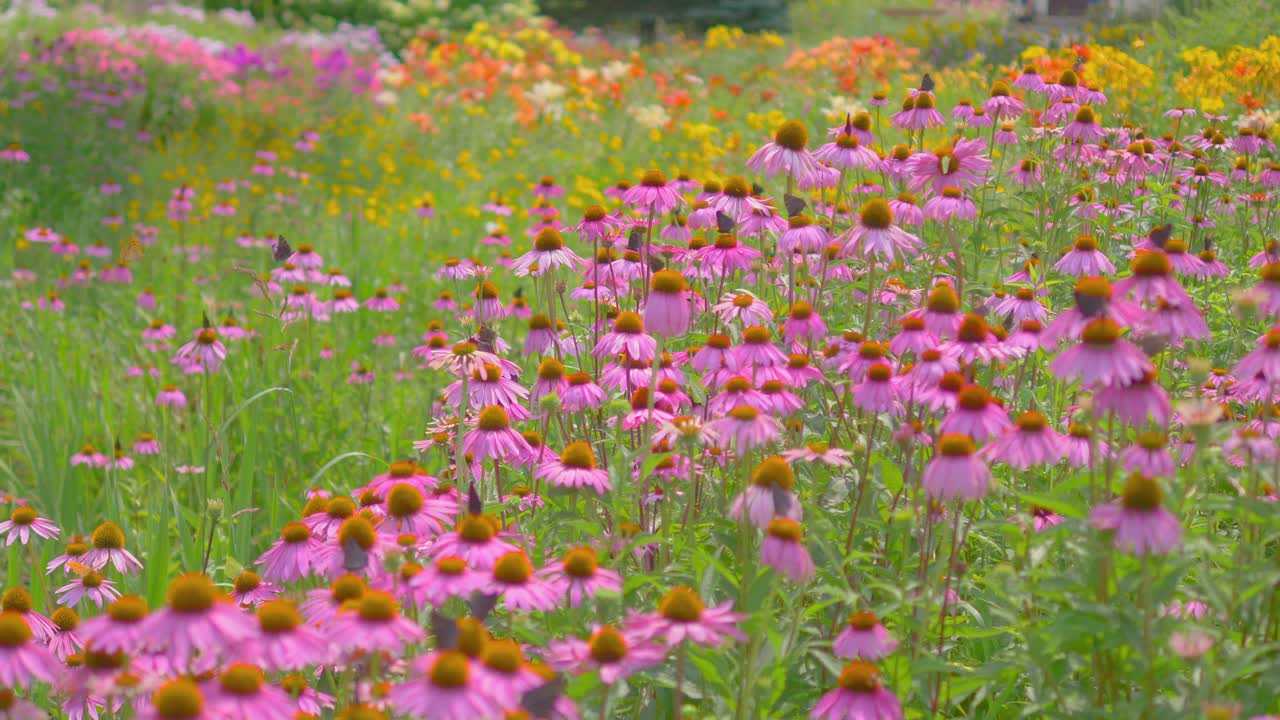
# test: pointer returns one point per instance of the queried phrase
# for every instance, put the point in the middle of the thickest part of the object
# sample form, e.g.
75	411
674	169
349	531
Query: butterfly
724	223
80	569
280	250
635	239
926	83
354	557
1160	234
130	250
475	506
1091	306
486	339
204	321
795	205
541	701
445	629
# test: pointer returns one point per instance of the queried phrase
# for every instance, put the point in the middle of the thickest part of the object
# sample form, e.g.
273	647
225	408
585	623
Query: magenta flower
786	155
783	550
120	629
373	624
609	651
747	427
108	542
91	585
242	692
293	556
683	616
864	638
521	588
1032	442
494	438
284	641
859	695
24	522
1102	357
962	166
666	311
575	468
1139	520
653	195
198	619
447	577
477	539
443	686
956	472
22	660
579	576
205	352
876	236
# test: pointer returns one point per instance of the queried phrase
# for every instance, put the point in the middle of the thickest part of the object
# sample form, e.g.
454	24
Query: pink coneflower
1135	404
597	224
1139	520
24	522
21	659
744	308
1102	357
582	393
293	556
446	578
952	204
803	235
1085	259
1084	127
89	455
819	452
1263	360
956	472
1200	175
961	166
579	576
521	588
241	692
322	604
877	393
627	337
197	619
443	686
848	152
494	438
783	550
757	350
372	624
653	195
180	699
91	585
975	342
14	153
787	154
205	352
735	200
864	638
875	235
859	695
407	511
803	323
249	590
1032	442
769	495
19	600
284	641
747	427
683	616
119	629
724	257
1003	105
976	415
575	468
609	651
1149	456
381	301
477	539
918	113
667	311
66	641
547	254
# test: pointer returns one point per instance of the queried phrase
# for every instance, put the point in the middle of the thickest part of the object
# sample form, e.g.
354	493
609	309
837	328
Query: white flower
651	117
838	106
546	92
615	70
1260	119
386	98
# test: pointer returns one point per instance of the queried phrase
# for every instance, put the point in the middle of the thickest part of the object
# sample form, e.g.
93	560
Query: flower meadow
523	375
